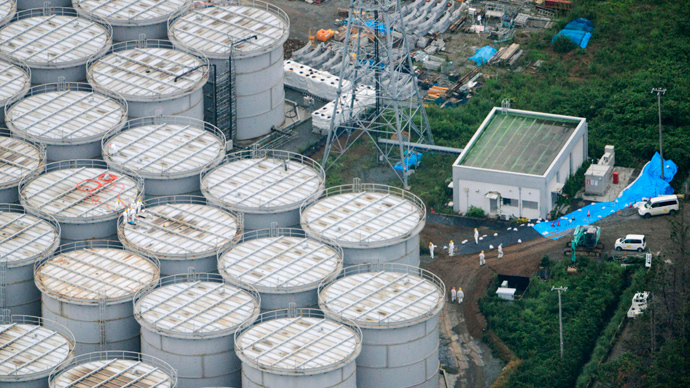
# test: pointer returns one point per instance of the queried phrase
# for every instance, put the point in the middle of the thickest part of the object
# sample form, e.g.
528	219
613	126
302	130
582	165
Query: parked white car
639	304
665	204
631	242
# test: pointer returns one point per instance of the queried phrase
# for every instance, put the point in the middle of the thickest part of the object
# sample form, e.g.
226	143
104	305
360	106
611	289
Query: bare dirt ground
473	359
464	270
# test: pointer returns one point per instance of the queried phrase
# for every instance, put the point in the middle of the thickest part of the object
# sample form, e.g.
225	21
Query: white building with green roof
517	162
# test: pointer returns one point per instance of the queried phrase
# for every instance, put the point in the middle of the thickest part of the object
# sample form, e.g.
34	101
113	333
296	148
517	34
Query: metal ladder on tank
232	93
3	285
101	320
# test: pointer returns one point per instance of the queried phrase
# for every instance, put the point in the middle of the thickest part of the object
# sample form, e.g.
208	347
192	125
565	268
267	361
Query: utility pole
660	92
560	312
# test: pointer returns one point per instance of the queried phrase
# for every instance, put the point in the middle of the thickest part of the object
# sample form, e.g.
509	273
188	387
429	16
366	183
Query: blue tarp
412	160
580	38
380	27
482	55
579	31
649	184
580	24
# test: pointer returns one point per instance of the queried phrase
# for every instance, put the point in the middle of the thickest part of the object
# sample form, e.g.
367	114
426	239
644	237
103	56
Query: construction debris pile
507	55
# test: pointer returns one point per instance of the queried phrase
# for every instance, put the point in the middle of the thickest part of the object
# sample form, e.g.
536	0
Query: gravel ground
304	16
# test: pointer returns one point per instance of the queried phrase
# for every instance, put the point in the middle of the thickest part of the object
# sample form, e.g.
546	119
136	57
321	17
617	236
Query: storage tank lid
197	309
298	345
384	298
213	29
56	39
25	238
178	231
364	215
7	10
66	113
87	275
177	148
115	369
14	81
263	181
278	264
131	12
31	350
79	194
151	73
18	160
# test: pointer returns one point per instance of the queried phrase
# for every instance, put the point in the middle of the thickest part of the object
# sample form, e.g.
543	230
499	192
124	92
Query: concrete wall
480	182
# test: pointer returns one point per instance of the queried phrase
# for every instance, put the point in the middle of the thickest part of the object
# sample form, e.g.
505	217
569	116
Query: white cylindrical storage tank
371	222
15	81
32	348
114	369
190	320
153	77
84	196
130	18
169	152
88	286
69	118
8	8
267	186
259	90
298	348
19	160
182	232
25	240
30	4
54	42
397	307
284	265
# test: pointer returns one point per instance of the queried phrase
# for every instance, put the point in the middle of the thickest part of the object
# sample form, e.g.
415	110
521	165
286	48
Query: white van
665	204
631	242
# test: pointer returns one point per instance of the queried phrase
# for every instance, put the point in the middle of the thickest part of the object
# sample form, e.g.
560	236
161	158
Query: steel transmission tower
377	92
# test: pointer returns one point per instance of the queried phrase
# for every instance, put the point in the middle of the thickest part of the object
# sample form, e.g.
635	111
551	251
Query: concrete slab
625	175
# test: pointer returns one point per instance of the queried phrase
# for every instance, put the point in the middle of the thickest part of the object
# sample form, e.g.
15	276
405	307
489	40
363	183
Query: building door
493	205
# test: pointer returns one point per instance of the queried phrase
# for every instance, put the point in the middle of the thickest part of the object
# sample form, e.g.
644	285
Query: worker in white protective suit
125	214
451	248
431	249
476	236
137	207
461	295
113	149
482	258
131	215
500	251
453	295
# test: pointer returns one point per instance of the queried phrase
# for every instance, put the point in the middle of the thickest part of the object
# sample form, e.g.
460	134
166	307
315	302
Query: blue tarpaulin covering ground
482	55
412	160
649	184
579	31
